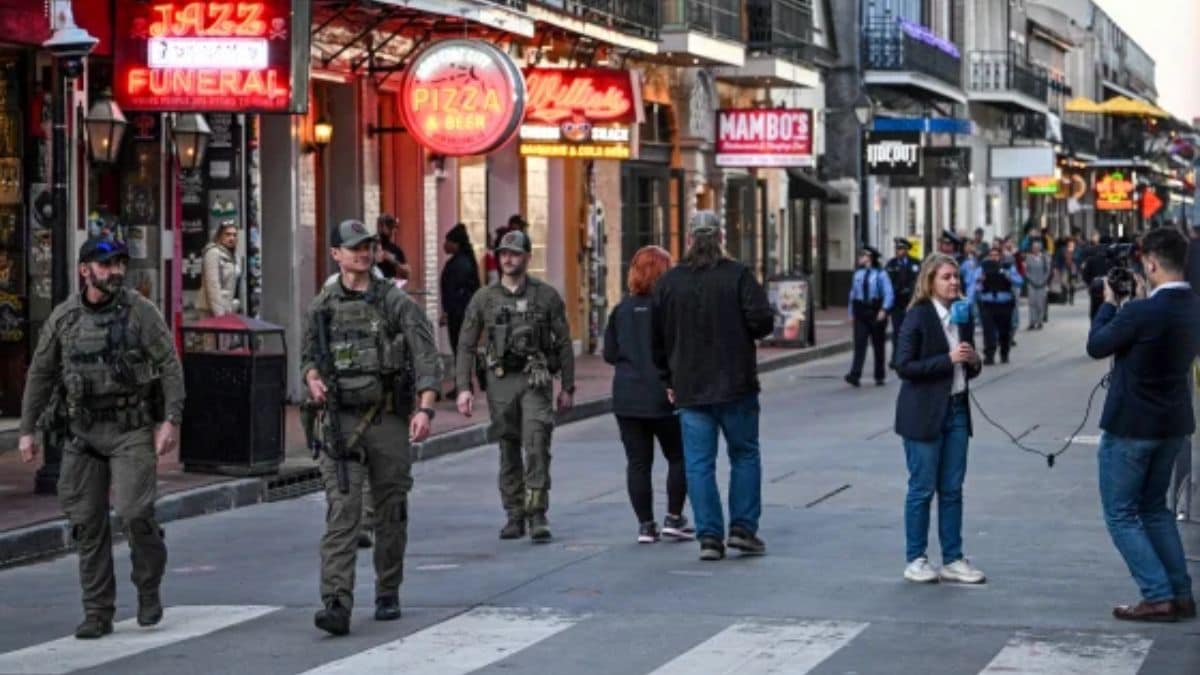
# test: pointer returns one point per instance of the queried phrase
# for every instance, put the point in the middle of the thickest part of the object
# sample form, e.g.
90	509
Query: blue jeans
1135	475
738	421
937	466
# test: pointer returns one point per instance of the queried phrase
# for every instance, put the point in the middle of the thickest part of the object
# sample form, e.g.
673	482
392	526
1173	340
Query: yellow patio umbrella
1083	104
1123	105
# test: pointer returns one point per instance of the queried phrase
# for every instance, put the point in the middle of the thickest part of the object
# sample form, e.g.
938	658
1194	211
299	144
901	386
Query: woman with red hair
640	401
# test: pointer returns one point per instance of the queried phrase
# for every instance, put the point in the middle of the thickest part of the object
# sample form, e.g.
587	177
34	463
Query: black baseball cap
99	249
350	233
902	242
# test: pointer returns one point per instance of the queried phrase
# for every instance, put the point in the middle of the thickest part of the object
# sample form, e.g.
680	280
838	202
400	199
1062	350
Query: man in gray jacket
1038	267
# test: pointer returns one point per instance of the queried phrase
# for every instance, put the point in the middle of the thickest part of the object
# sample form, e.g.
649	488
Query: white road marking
128	639
750	648
1076	654
458	646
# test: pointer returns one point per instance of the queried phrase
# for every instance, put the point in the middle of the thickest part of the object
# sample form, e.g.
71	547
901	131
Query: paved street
241	585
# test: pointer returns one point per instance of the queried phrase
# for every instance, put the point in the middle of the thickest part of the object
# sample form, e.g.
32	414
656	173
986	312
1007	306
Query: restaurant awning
803	185
1083	104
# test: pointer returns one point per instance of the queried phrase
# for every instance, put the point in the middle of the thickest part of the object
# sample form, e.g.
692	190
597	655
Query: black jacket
1193	274
927	375
706	322
460	280
629	345
1153	343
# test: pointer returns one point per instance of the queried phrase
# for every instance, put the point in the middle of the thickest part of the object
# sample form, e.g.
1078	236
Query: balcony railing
1079	139
783	27
1002	71
633	17
719	18
896	44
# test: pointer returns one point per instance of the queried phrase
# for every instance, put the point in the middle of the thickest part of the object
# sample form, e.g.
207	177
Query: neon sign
583	113
1041	185
204	56
462	97
1114	192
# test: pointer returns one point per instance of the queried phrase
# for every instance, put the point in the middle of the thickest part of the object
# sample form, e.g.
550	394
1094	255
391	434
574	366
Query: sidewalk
31	526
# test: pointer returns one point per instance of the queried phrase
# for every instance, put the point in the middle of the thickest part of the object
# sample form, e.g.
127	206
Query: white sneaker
961	571
920	571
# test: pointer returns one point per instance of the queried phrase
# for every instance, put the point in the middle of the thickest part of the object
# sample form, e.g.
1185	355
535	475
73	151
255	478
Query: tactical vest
904	279
106	376
995	278
516	335
366	355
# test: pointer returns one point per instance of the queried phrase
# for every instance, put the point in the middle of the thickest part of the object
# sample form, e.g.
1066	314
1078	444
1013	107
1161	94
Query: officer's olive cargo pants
522	416
388	470
124	461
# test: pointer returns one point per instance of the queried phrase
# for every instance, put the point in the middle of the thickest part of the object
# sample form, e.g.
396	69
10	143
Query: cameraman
1147	422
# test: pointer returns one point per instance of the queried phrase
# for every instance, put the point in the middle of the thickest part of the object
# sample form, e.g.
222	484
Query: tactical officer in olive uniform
104	373
527	342
903	271
364	336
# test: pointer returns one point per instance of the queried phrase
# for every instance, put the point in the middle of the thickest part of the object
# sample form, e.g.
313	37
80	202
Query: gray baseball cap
350	233
705	222
515	241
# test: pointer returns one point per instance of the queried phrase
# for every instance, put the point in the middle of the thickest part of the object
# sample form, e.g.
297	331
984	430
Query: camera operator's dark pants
997	327
866	327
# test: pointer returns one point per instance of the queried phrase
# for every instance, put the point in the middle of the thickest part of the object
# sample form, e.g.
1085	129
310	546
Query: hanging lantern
191	134
105	128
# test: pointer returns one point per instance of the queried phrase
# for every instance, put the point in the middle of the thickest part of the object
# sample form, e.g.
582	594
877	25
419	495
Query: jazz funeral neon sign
205	56
582	112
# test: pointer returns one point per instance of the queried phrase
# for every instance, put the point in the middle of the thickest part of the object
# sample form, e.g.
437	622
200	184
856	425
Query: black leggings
638	435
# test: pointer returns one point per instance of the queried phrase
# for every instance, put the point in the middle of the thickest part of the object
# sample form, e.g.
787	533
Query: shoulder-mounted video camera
1120	276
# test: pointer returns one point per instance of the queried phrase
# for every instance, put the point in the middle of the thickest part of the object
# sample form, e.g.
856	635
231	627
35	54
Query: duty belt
105	403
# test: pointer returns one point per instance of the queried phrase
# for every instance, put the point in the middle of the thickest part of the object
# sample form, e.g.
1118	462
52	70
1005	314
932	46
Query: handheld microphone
960	315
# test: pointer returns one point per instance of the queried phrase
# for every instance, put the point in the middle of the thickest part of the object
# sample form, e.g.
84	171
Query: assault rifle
330	441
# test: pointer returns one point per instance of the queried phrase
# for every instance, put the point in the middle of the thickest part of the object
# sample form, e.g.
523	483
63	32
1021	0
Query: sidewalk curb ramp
51	538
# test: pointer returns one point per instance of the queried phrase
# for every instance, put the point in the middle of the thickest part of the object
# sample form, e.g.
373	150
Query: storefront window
644	208
537	210
472	200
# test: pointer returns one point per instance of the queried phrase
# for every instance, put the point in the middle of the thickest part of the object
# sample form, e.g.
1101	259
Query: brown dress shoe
1158	612
1185	609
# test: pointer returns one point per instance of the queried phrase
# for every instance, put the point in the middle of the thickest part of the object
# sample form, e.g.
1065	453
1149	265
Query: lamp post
864	113
69	45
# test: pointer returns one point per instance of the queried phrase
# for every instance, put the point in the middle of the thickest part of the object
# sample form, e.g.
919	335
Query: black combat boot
150	609
93	627
513	529
387	607
334	619
539	529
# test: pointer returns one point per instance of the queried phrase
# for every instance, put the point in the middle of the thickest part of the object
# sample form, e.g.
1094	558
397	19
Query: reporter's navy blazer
1153	343
923	363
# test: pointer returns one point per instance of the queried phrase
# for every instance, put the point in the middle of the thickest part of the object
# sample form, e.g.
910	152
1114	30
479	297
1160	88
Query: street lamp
69	45
191	134
105	128
322	132
864	113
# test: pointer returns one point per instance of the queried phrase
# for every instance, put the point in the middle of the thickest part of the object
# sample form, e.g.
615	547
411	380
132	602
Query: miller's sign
764	137
583	112
894	153
204	56
462	97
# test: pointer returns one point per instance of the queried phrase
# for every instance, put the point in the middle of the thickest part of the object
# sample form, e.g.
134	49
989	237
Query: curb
51	538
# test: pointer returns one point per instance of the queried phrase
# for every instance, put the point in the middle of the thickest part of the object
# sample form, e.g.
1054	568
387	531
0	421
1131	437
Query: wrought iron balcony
781	27
900	45
633	17
1000	71
718	18
1079	139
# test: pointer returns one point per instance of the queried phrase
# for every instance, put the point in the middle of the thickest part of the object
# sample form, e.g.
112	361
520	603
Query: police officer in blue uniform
871	299
995	289
902	271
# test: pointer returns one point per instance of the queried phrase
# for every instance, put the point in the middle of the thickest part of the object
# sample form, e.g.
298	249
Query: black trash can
235	371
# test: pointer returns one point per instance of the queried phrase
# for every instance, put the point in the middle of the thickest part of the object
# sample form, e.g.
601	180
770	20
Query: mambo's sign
586	113
204	56
462	97
772	137
894	153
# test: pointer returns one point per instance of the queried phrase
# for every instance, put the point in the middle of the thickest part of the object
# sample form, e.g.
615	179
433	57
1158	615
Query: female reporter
640	401
935	358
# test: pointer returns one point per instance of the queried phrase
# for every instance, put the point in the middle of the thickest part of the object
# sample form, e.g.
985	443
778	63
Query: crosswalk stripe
1077	654
128	639
749	648
458	646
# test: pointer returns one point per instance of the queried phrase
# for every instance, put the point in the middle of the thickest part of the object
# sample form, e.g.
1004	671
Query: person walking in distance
640	401
1038	268
523	322
460	280
219	274
995	290
708	311
936	362
389	257
1147	422
362	334
106	378
902	272
871	299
